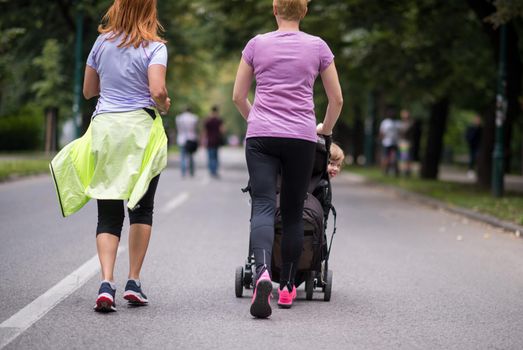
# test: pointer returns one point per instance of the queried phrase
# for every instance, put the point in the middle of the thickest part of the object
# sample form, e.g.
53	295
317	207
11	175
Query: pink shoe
285	297
261	299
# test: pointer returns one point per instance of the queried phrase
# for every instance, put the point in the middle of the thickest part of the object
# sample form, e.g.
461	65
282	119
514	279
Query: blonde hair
291	10
337	154
135	19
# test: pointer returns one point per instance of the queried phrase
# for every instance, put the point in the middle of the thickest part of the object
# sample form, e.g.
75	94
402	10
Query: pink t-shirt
285	66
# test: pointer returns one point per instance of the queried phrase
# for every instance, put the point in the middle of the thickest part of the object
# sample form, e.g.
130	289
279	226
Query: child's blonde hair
337	154
291	10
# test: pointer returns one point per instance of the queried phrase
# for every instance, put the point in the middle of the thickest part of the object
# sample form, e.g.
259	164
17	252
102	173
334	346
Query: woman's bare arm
242	85
156	74
91	83
332	88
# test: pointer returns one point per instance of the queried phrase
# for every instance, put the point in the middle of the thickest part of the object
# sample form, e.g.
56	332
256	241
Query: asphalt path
405	276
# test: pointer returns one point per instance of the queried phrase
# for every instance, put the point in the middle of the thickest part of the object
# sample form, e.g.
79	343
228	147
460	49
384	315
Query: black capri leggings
266	157
111	212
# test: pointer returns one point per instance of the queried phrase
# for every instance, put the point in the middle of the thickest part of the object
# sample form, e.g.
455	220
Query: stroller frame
319	278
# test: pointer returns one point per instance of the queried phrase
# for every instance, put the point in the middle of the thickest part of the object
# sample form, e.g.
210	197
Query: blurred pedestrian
124	150
389	135
281	137
187	140
473	138
214	136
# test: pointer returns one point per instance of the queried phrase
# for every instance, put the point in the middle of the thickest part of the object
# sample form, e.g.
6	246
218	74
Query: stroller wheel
238	282
309	286
247	277
328	286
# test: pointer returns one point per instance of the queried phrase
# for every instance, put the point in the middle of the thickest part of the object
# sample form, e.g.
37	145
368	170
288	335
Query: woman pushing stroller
281	137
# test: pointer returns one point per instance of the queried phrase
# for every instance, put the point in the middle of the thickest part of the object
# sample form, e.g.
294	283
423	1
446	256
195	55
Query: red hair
136	20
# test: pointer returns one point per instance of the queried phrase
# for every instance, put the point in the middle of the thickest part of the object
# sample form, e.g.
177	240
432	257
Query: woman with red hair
125	148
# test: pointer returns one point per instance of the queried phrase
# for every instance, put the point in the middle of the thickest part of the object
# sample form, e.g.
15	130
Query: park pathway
405	276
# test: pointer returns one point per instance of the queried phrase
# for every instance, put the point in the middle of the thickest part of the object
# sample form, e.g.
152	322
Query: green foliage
49	89
23	130
20	167
413	52
454	138
7	60
506	10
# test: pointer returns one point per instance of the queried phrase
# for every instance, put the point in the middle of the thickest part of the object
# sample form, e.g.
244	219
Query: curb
437	204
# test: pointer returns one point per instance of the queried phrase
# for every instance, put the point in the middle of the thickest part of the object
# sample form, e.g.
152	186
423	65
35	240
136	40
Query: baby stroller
313	267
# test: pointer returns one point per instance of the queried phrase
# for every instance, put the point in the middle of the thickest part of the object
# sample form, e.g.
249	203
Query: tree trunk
484	160
484	8
416	140
514	74
437	124
51	129
342	135
521	159
370	129
358	134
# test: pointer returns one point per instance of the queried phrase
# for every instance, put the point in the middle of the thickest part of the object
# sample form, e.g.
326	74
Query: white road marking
23	319
175	202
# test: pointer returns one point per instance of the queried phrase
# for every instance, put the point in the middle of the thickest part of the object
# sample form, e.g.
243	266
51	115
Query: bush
22	131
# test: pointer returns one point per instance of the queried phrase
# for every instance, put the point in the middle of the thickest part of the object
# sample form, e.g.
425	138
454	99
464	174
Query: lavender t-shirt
285	66
124	84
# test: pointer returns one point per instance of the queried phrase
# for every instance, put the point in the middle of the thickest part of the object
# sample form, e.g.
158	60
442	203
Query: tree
484	11
506	10
48	90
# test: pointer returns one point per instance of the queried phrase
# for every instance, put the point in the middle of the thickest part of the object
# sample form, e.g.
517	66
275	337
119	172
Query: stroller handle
325	140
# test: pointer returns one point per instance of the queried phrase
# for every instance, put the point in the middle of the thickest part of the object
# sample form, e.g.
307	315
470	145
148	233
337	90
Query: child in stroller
313	264
335	160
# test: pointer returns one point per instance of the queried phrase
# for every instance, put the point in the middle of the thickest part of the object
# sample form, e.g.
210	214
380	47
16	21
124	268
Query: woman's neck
287	26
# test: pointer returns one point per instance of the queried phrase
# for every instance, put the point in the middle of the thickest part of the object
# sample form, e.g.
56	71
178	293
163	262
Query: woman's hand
320	129
165	108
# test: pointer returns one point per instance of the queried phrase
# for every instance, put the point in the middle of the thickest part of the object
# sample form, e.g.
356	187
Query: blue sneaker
133	293
105	301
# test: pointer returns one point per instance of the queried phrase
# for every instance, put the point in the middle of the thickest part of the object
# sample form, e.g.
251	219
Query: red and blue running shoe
133	293
105	301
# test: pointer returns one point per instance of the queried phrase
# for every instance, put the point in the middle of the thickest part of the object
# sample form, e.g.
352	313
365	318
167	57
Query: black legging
266	156
111	212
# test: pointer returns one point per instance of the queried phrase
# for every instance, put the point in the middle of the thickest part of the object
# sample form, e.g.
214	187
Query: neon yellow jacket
115	159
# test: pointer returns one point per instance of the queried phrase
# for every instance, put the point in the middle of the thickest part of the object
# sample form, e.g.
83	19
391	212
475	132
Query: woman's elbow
337	101
88	94
236	99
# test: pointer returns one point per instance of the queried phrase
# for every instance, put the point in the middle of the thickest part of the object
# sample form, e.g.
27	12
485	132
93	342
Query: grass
22	165
509	208
173	149
13	165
